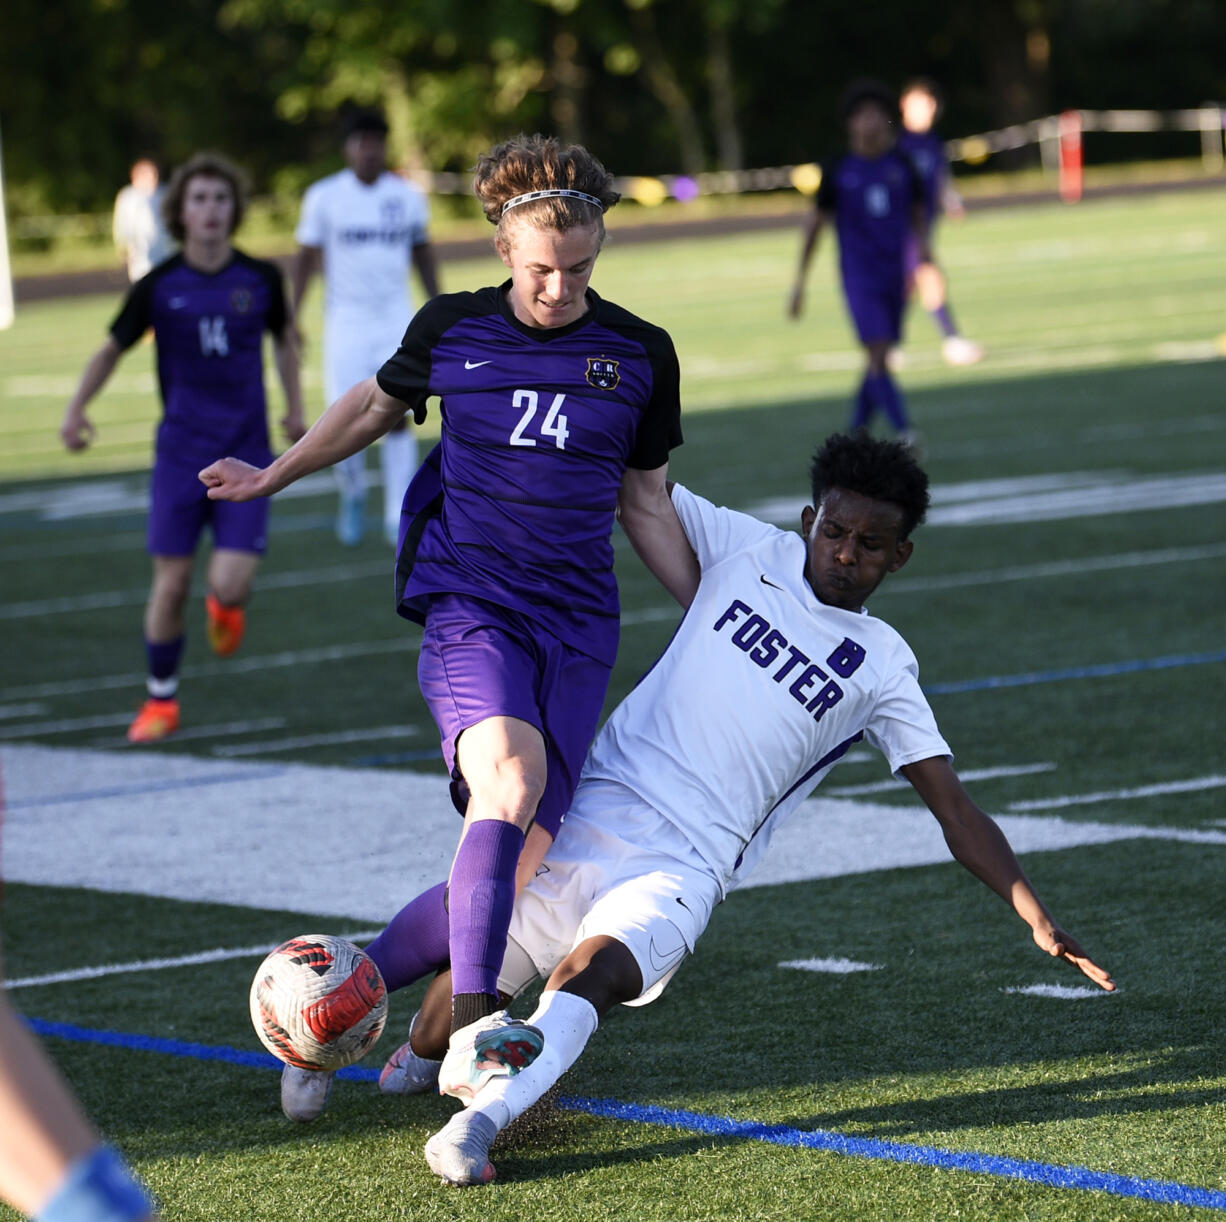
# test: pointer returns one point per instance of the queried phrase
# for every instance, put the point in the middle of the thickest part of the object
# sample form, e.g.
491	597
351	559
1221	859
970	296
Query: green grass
1100	323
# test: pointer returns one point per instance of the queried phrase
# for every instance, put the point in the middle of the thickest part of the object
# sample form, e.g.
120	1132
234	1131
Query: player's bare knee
511	789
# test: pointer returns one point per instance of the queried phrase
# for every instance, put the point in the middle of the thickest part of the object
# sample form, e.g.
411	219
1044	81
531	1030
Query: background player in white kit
365	227
775	671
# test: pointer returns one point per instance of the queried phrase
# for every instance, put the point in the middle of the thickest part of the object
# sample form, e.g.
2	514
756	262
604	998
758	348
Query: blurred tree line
653	86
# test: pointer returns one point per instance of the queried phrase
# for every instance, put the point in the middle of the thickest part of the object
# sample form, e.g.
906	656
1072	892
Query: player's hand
77	431
231	479
1061	945
294	425
796	303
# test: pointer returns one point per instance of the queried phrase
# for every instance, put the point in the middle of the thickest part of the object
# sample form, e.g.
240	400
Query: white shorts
617	869
356	346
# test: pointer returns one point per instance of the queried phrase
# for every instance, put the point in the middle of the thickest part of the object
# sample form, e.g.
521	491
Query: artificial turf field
1066	604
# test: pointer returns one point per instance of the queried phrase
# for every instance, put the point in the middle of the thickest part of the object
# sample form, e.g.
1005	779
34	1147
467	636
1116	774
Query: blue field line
123	791
1102	671
1051	1174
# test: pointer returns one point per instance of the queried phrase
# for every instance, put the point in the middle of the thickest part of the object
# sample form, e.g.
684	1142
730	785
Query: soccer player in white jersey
775	671
365	227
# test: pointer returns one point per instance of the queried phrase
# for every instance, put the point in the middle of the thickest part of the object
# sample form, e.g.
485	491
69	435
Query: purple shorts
179	509
876	311
479	660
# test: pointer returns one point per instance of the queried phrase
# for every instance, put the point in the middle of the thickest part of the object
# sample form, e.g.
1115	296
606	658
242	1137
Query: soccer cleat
492	1047
913	439
958	350
156	719
304	1092
224	625
459	1153
408	1074
351	520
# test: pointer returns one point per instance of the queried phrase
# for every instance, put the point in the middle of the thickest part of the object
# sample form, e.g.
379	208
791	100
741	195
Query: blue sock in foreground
481	895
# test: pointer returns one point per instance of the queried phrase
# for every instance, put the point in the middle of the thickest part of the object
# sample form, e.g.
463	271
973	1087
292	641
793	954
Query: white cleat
304	1092
459	1153
492	1047
408	1074
958	350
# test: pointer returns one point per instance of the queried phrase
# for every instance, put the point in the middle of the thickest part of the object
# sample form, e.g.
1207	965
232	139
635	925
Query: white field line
1194	785
32	729
631	619
159	965
10	711
836	966
1061	992
226	729
230	666
126	598
372	734
973	774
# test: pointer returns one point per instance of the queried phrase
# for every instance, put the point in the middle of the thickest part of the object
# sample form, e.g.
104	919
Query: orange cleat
225	626
156	719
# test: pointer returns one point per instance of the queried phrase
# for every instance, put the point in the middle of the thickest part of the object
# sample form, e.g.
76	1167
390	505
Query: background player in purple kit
874	199
559	410
209	307
920	103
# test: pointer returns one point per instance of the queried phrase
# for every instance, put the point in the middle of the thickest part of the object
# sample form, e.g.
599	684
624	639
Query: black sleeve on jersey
919	192
406	374
278	314
136	314
827	193
659	430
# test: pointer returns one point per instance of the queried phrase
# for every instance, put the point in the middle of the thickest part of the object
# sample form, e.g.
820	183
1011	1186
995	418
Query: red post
1070	156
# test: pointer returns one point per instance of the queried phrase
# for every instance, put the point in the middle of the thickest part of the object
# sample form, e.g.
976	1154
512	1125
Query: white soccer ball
318	1002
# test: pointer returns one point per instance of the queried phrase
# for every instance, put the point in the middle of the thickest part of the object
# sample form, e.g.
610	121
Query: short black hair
882	470
366	121
867	89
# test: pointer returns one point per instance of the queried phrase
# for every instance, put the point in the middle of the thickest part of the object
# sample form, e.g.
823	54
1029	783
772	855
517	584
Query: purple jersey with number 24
516	504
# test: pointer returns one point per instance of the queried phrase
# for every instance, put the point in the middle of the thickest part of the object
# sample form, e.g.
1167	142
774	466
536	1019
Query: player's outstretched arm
77	430
978	843
361	415
646	512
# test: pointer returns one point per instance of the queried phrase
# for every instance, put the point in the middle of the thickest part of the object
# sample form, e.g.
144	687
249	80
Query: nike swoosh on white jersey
766	581
475	364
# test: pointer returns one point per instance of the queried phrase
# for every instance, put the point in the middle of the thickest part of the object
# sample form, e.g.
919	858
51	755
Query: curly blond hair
538	163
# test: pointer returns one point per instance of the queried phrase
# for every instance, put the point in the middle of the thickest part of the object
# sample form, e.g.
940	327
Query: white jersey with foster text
367	232
761	691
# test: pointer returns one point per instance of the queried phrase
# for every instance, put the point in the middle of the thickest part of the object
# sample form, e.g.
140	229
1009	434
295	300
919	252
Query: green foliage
654	86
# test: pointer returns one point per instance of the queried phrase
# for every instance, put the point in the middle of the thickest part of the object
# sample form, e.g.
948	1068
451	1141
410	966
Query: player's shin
567	1022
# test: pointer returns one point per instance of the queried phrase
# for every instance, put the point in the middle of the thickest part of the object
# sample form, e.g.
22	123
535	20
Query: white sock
351	475
398	455
567	1022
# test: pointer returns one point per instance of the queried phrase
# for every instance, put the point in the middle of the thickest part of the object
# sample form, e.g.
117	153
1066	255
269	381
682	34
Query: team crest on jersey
603	373
240	299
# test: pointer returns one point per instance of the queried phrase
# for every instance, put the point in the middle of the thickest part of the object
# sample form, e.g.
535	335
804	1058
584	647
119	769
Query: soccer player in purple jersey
559	410
209	307
920	103
874	199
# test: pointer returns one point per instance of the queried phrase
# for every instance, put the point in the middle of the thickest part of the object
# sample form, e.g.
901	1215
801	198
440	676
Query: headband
551	193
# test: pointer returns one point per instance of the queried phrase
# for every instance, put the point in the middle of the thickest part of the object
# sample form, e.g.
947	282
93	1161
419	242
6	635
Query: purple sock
164	658
945	320
886	395
862	413
415	940
481	896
